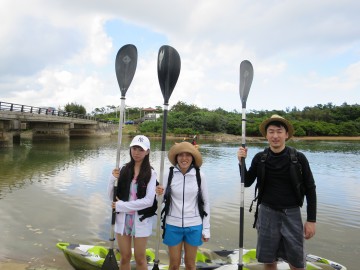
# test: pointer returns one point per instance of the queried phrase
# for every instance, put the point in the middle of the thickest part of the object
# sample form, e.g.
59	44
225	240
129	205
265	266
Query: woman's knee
190	265
125	256
190	262
190	257
140	259
174	266
175	262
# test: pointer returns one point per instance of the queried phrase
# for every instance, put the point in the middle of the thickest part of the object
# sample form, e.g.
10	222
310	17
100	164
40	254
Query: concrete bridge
47	123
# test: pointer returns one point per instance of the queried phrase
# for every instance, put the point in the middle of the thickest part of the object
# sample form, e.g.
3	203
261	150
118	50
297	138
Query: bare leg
124	243
175	256
190	256
140	252
270	266
294	268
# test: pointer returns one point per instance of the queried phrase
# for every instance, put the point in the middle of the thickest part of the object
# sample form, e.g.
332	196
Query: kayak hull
88	257
82	257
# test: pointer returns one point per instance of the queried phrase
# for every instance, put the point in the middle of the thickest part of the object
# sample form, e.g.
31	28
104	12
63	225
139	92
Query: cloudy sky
304	53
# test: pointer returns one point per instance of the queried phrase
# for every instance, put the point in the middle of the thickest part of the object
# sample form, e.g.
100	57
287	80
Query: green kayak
88	257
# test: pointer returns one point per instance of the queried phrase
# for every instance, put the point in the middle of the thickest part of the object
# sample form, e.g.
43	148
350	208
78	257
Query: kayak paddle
169	65
125	66
246	77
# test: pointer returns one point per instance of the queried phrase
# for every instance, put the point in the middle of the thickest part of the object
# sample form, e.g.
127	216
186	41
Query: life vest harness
123	194
167	198
295	177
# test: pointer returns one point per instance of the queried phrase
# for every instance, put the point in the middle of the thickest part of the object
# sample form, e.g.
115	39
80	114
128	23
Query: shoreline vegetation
131	130
223	137
320	120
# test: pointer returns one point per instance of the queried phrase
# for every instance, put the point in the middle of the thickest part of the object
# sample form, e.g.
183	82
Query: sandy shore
21	266
10	265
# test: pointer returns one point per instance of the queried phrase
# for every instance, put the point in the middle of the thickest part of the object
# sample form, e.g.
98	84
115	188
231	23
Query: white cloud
304	53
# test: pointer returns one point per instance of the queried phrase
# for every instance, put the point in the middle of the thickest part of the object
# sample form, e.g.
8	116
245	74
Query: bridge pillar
9	133
80	130
98	130
6	139
49	131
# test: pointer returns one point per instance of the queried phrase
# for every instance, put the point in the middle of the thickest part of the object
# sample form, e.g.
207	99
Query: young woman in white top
135	203
187	209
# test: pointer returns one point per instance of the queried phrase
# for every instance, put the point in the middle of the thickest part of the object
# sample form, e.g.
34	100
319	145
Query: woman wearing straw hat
283	178
187	211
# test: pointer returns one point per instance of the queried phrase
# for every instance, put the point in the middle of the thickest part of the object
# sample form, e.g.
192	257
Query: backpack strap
150	211
261	172
293	155
296	175
264	155
198	177
167	200
123	187
200	198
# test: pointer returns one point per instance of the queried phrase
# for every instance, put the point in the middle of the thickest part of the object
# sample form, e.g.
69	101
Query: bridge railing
5	106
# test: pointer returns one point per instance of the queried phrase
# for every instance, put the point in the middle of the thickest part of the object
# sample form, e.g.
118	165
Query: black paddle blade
110	262
246	78
125	66
169	65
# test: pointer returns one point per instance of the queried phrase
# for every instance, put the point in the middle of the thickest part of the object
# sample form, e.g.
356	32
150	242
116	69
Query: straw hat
184	147
276	118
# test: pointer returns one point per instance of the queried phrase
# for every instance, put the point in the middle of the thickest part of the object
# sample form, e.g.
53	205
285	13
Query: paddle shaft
242	188
125	67
169	65
121	118
246	77
163	137
163	140
117	165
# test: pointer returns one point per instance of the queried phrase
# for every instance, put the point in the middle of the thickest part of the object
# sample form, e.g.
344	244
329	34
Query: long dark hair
127	174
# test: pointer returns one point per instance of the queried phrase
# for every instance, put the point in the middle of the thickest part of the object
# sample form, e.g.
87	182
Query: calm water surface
52	191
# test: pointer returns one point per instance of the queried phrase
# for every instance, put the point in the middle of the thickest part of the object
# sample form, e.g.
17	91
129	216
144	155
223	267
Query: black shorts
280	235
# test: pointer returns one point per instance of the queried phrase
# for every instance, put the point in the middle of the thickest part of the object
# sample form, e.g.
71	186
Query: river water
56	191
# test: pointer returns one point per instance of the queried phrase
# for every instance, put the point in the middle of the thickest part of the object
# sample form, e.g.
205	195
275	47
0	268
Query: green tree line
189	119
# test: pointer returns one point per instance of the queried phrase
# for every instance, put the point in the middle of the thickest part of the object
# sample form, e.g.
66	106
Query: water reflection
52	192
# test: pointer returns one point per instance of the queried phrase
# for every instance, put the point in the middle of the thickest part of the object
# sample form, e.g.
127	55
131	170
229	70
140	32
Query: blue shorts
280	235
175	235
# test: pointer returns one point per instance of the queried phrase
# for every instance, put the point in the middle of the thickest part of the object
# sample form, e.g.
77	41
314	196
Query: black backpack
295	176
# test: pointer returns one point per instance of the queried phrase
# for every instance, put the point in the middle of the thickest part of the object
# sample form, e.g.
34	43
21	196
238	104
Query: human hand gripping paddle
246	77
125	66
169	65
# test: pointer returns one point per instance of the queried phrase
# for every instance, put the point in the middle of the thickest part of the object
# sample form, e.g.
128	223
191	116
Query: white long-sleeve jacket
142	228
184	210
